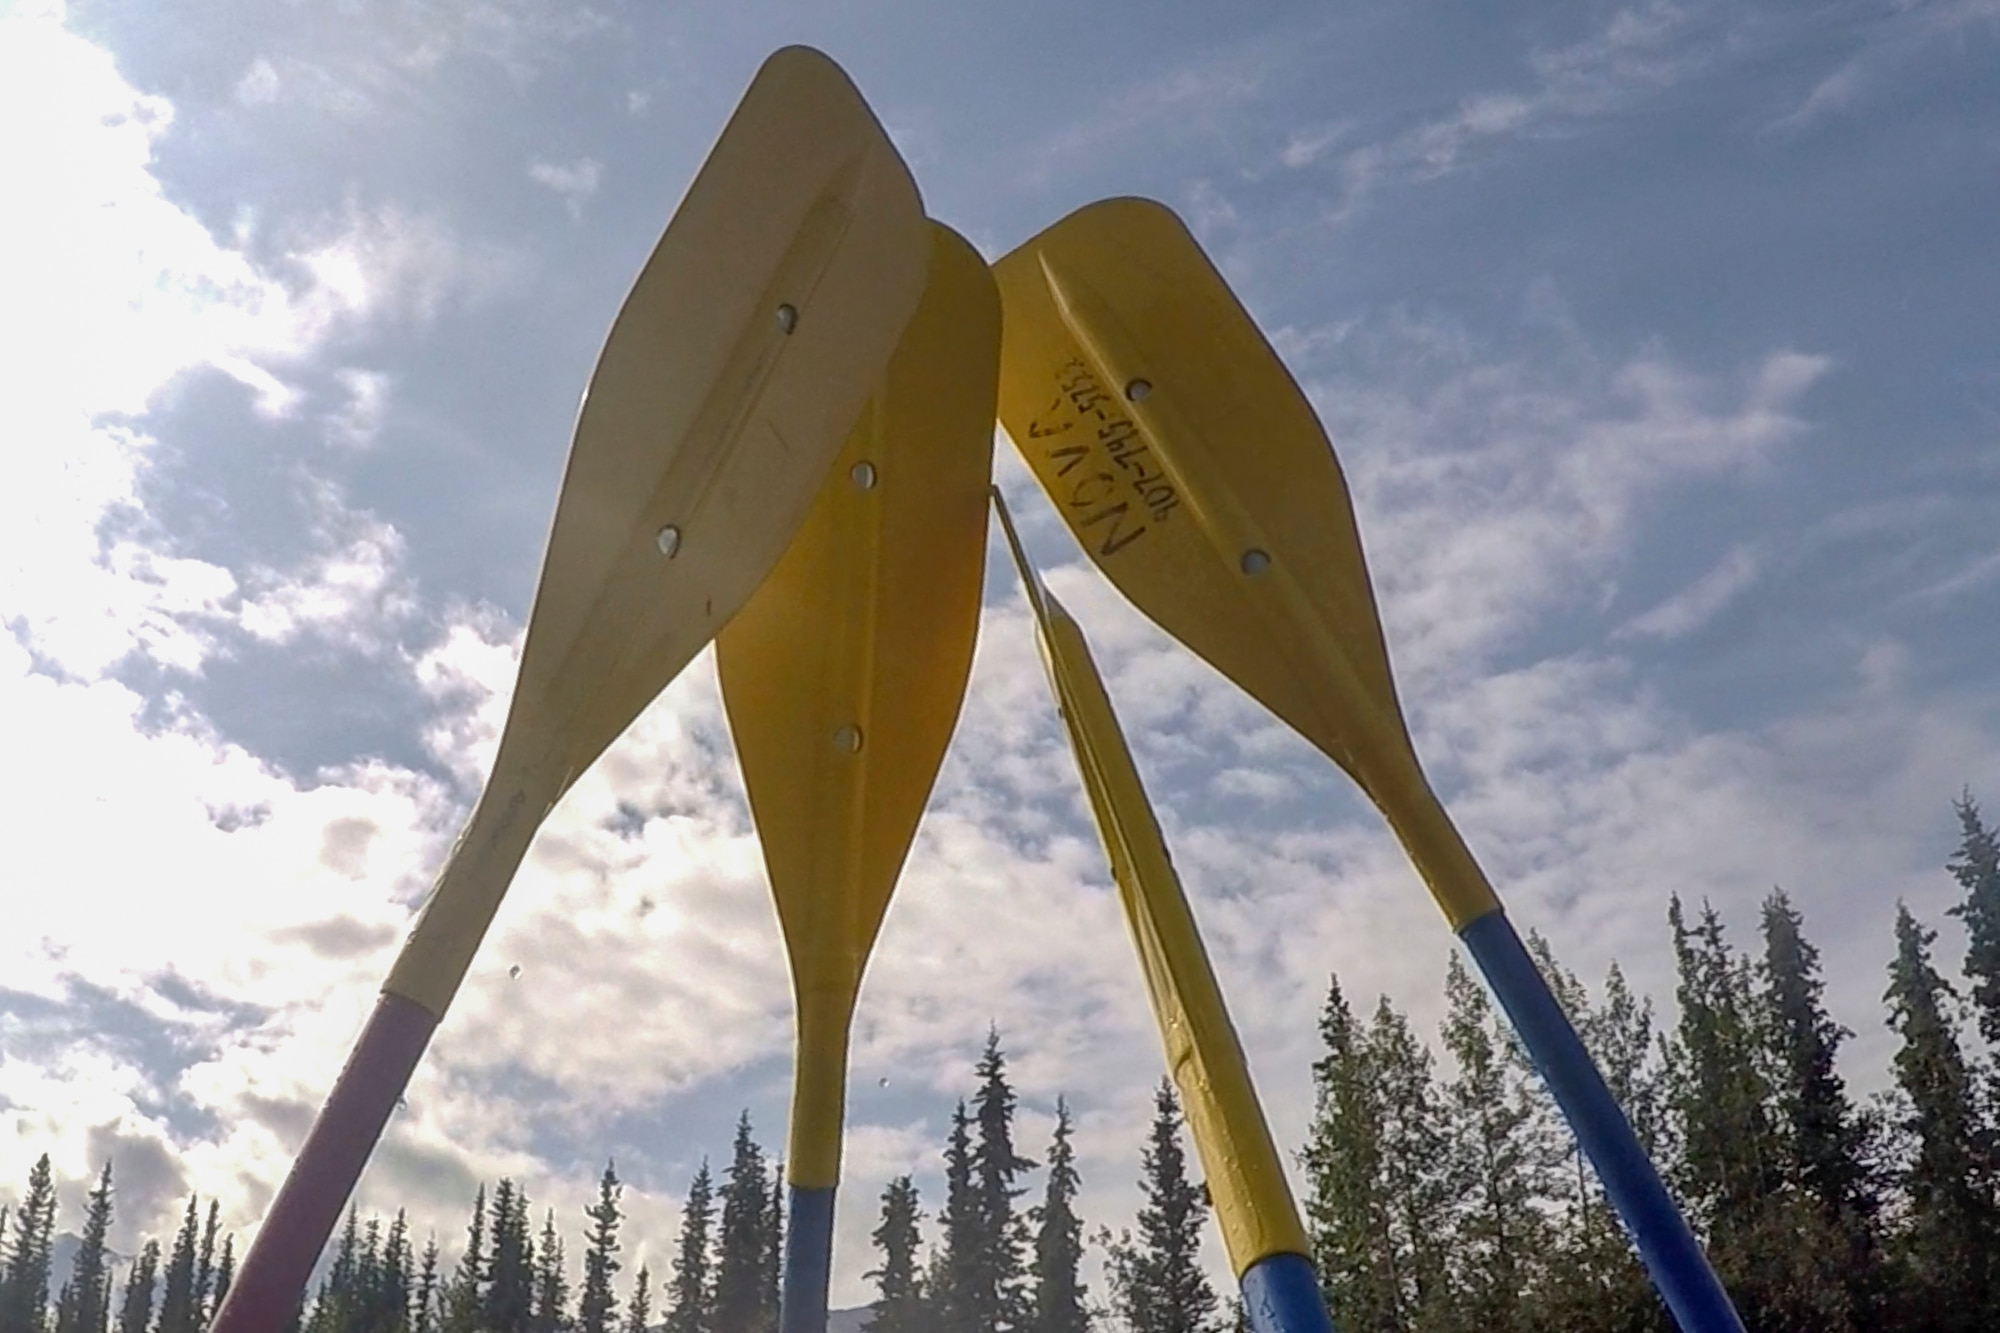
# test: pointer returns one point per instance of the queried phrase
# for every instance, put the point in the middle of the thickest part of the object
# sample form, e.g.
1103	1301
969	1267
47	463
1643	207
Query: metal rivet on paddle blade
863	474
669	541
788	317
847	740
1137	390
1255	561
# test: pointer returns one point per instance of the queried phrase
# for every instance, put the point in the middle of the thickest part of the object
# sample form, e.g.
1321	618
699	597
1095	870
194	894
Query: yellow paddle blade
844	675
1246	1178
733	371
738	364
1194	473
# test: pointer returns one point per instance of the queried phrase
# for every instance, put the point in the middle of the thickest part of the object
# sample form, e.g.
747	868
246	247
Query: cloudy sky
1657	341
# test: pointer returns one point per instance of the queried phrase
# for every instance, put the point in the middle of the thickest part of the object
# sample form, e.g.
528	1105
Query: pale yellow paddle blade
735	369
732	373
844	675
1193	471
1246	1178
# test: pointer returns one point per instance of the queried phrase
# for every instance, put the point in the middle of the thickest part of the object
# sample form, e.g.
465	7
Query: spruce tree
597	1308
394	1272
1828	1155
690	1292
551	1281
178	1311
334	1307
1826	1144
204	1264
1591	1277
1347	1207
24	1303
424	1301
1156	1279
1497	1171
639	1310
1721	1097
1622	1040
1059	1296
88	1291
225	1274
135	1307
774	1242
951	1293
899	1304
509	1296
462	1299
365	1312
1770	1245
740	1299
1976	867
997	1297
1414	1165
1948	1243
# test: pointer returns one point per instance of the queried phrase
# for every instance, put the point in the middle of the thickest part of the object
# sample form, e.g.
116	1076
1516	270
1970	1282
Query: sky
1656	341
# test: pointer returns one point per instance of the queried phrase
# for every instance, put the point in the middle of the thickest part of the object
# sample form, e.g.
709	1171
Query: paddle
1261	1231
1195	474
736	365
843	679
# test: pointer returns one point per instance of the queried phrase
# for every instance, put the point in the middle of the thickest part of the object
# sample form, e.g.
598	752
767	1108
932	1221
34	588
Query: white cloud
574	181
1306	146
1638	53
1893	48
356	423
383	263
1493	492
351	590
260	83
1697	604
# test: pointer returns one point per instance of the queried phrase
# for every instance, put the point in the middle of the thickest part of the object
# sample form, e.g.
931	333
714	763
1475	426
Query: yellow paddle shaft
819	1086
476	875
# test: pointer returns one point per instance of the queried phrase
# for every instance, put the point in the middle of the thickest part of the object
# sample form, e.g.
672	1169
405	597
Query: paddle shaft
1668	1248
271	1280
1281	1295
802	1301
812	1166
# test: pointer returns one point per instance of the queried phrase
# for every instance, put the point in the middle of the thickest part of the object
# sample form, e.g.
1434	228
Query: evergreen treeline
1448	1201
1459	1201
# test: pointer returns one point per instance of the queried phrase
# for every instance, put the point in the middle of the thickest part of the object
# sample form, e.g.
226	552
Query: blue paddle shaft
1666	1246
1281	1295
808	1261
